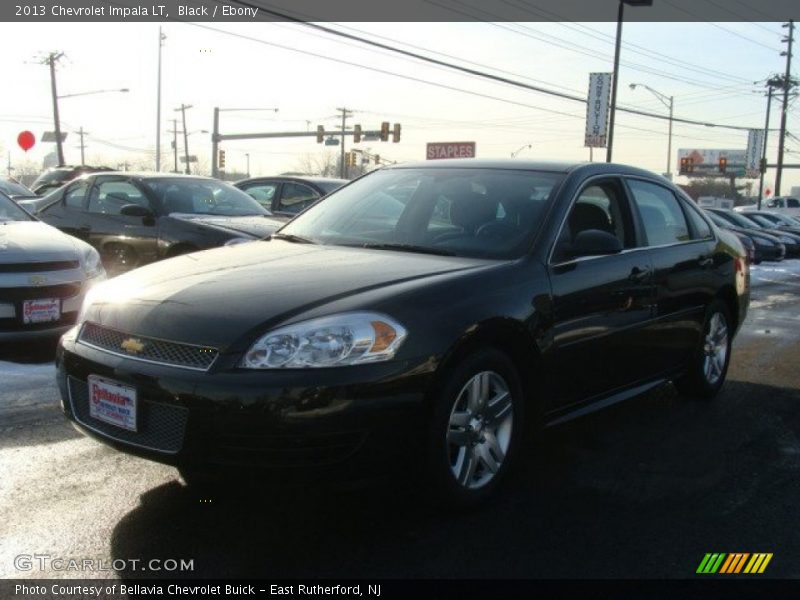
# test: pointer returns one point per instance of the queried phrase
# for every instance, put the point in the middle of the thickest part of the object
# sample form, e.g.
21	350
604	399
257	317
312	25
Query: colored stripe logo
737	562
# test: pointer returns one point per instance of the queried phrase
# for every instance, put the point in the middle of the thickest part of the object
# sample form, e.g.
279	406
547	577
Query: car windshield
53	177
12	188
202	197
485	213
10	211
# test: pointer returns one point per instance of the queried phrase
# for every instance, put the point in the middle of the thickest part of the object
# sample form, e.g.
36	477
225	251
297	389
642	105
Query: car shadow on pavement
642	489
42	351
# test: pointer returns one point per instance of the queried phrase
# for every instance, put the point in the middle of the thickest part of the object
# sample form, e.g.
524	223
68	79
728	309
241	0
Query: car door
682	251
601	304
294	198
69	213
123	241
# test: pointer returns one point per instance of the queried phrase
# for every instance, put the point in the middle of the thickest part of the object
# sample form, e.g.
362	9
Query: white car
44	275
786	205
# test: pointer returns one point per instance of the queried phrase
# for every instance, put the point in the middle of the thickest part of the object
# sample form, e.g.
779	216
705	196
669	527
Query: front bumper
346	421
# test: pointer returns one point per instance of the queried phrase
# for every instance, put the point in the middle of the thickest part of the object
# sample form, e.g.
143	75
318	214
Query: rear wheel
709	363
476	429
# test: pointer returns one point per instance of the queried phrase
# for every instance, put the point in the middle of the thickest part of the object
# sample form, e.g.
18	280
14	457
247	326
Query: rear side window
662	217
700	228
76	194
792	203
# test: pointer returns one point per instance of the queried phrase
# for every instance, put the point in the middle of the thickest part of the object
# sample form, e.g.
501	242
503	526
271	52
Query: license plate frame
113	402
41	310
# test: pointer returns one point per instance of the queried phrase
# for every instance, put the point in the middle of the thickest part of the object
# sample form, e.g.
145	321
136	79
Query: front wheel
477	424
708	365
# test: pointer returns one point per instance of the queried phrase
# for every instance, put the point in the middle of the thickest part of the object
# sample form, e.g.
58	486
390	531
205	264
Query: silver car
44	275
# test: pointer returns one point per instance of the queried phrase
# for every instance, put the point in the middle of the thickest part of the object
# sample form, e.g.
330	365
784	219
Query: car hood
753	233
34	241
259	226
215	297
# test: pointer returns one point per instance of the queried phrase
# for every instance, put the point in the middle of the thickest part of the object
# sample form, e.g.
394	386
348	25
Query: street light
56	98
667	101
620	14
514	154
247	156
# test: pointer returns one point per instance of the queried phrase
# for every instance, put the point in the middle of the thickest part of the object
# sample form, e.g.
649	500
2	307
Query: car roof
527	165
300	178
147	175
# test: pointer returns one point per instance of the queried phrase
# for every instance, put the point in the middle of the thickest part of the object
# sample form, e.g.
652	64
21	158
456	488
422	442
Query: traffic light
396	133
687	165
350	159
377	159
222	159
356	134
385	131
723	164
320	133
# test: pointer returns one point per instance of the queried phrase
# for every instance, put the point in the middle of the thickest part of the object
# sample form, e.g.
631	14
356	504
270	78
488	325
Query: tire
708	365
478	421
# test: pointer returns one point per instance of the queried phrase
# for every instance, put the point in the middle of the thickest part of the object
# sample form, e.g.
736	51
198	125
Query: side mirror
136	210
594	242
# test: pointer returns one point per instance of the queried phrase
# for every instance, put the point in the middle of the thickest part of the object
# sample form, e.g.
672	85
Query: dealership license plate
41	311
112	402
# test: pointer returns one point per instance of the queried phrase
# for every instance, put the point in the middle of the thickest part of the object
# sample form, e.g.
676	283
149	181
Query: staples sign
437	150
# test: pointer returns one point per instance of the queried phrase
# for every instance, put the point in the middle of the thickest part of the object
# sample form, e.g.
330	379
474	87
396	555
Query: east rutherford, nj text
322	590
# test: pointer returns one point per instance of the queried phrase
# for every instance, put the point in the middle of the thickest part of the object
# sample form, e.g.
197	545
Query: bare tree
324	164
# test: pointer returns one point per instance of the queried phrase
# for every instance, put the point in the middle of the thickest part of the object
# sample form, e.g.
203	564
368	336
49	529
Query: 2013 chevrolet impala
429	316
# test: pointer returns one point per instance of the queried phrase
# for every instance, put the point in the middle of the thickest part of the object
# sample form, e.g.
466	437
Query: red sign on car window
437	150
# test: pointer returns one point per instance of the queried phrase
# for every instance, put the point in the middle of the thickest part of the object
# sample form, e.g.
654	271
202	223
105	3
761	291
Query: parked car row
773	236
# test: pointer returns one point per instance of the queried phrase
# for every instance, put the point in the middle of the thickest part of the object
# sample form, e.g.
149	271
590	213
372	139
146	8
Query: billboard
755	145
705	162
597	110
439	150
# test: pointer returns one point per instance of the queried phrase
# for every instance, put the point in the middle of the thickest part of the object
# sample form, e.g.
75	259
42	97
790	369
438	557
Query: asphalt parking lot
643	489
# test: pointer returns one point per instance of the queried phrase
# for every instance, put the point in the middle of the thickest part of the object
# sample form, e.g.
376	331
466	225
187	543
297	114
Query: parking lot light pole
615	75
669	102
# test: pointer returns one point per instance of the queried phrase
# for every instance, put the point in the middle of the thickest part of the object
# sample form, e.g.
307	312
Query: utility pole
247	156
9	168
183	109
174	133
771	84
51	60
788	83
345	114
161	38
82	133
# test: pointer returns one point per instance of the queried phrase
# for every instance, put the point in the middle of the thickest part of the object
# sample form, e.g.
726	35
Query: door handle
638	274
705	261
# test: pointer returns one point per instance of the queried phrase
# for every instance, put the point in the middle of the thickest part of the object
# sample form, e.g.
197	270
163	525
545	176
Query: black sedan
134	219
765	246
286	196
789	240
437	331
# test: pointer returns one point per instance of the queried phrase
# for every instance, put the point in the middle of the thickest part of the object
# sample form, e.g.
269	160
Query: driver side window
601	206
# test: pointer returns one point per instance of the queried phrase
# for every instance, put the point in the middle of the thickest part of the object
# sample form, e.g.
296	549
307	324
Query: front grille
160	427
39	267
18	294
148	349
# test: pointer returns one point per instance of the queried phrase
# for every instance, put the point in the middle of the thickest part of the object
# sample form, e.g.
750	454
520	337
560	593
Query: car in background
137	218
15	190
792	248
782	222
44	275
55	177
787	205
357	342
286	196
791	242
765	247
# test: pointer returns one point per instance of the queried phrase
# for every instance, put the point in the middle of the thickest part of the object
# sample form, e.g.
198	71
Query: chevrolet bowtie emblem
132	345
37	279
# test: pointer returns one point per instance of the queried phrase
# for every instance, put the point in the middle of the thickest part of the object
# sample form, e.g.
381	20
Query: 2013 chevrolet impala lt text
429	316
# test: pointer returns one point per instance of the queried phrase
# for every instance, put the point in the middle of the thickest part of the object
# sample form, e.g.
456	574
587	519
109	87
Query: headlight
91	264
91	296
334	341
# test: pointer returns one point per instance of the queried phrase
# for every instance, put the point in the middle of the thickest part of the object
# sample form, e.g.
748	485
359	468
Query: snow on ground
26	385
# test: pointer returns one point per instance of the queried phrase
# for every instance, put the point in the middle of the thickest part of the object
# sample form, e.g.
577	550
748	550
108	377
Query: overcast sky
708	68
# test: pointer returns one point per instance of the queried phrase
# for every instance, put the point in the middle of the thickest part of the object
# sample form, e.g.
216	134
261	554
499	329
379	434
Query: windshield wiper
290	237
407	248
